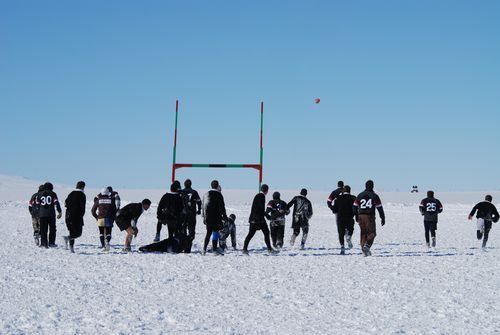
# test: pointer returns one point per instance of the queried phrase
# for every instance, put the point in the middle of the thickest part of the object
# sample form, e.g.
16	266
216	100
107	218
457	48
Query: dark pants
487	228
172	227
344	226
75	227
277	234
305	230
47	225
105	235
189	226
253	229
430	226
229	230
215	243
368	229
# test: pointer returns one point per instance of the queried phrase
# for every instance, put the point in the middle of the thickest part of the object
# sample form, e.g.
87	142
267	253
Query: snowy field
404	288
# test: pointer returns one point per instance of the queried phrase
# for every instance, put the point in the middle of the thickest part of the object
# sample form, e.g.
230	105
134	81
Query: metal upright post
175	140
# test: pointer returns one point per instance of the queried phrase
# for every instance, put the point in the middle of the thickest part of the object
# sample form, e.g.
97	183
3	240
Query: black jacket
258	211
276	209
191	201
302	209
75	204
170	207
130	212
430	208
33	207
47	203
214	209
485	210
333	196
343	206
366	202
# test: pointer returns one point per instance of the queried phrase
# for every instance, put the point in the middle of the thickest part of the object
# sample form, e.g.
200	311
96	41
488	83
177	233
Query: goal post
258	167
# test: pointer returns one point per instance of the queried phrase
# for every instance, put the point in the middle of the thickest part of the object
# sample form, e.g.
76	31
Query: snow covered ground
404	288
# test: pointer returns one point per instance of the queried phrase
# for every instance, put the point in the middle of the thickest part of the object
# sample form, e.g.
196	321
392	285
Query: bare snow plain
404	288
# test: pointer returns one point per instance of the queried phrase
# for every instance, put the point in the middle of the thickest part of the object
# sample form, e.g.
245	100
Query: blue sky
409	92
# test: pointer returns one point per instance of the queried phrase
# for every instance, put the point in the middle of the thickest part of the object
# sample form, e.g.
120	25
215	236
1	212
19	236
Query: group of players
179	208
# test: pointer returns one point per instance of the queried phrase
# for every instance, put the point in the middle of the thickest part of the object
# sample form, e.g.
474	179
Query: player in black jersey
430	207
302	213
48	203
343	208
335	193
486	214
276	209
75	210
364	206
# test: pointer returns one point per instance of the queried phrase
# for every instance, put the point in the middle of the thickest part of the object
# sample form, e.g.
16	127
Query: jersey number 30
46	200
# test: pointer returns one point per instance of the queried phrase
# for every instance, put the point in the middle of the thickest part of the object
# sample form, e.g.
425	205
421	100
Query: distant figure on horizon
364	206
486	214
430	207
302	213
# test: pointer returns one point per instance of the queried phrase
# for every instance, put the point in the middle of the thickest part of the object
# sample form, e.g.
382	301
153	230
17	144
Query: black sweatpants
253	229
75	227
430	226
277	234
189	226
172	227
47	225
344	225
487	228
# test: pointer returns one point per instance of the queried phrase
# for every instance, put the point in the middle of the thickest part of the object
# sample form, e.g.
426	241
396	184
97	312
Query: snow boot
433	242
428	244
157	238
303	242
106	246
292	239
366	250
72	249
245	252
36	236
272	252
479	235
66	241
349	241
342	250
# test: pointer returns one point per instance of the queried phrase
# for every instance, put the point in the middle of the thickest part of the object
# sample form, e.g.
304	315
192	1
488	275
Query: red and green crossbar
258	167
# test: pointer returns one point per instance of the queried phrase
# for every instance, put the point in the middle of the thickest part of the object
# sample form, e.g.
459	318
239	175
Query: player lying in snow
180	242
